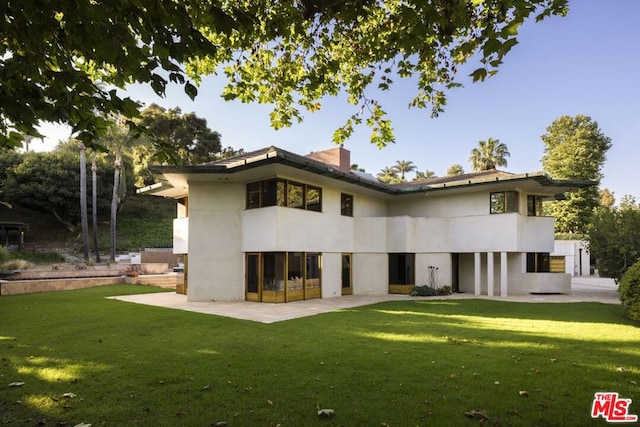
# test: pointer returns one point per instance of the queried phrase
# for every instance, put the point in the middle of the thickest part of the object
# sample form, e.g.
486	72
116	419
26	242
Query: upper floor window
346	204
282	192
504	202
534	206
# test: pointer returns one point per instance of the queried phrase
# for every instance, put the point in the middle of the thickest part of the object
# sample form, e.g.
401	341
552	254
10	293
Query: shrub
445	290
16	264
4	255
430	291
629	290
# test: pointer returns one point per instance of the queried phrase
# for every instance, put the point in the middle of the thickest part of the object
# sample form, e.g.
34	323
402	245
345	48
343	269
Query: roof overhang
174	180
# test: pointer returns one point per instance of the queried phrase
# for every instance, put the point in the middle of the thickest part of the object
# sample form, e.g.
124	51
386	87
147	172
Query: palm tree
115	200
404	166
422	176
454	170
388	175
83	201
488	155
94	203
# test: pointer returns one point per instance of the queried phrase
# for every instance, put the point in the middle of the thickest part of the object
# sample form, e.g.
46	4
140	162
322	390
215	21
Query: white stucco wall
434	206
216	259
572	250
221	230
442	273
285	229
370	273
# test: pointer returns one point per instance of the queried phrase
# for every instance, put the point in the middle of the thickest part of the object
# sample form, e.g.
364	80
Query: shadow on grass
584	312
399	363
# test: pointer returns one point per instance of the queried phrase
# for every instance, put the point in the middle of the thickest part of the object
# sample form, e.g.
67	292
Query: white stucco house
274	226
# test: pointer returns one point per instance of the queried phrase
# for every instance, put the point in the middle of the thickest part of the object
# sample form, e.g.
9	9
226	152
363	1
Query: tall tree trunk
94	204
83	201
114	204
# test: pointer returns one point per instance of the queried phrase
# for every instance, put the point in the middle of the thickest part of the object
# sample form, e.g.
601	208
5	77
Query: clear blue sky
586	63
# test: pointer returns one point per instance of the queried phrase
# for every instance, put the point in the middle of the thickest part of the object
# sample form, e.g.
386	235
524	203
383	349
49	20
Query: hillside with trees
52	192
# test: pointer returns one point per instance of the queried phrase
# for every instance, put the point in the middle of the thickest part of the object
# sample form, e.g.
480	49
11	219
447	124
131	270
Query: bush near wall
629	289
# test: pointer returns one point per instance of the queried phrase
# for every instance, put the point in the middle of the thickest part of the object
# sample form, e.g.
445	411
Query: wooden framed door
253	274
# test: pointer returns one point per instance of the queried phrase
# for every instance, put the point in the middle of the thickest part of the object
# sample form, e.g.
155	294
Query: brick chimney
339	157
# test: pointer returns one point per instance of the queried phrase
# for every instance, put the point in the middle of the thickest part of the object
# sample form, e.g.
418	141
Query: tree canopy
614	237
62	61
455	169
48	182
575	148
175	138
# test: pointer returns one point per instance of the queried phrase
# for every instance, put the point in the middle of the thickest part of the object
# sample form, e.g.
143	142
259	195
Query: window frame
534	205
538	262
275	192
507	207
346	204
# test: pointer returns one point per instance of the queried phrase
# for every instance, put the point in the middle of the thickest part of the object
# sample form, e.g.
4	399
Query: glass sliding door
312	287
273	278
295	276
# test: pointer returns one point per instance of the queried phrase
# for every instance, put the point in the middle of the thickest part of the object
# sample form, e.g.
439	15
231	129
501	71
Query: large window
534	206
538	262
283	276
504	202
281	192
346	204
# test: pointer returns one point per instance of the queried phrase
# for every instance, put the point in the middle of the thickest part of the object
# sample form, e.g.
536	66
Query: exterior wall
442	263
282	229
221	230
216	258
331	274
519	281
370	275
459	205
367	207
572	250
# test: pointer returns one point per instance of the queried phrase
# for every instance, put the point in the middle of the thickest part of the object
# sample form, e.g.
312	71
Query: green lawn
397	364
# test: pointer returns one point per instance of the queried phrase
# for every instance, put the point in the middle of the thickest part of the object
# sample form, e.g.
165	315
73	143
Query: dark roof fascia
278	156
542	179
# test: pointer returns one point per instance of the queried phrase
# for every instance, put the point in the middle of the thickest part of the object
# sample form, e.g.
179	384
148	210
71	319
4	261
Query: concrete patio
583	289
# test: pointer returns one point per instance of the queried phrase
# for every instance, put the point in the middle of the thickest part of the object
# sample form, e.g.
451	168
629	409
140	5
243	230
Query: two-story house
274	226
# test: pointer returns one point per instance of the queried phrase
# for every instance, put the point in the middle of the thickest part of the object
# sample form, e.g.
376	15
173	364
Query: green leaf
479	74
190	90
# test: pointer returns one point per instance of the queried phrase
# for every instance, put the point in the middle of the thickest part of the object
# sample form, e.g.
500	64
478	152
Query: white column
476	271
503	274
490	281
490	274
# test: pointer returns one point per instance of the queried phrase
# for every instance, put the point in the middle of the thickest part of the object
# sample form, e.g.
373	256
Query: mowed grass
413	363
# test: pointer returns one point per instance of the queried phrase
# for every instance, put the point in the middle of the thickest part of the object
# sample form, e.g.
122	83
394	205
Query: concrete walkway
590	289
